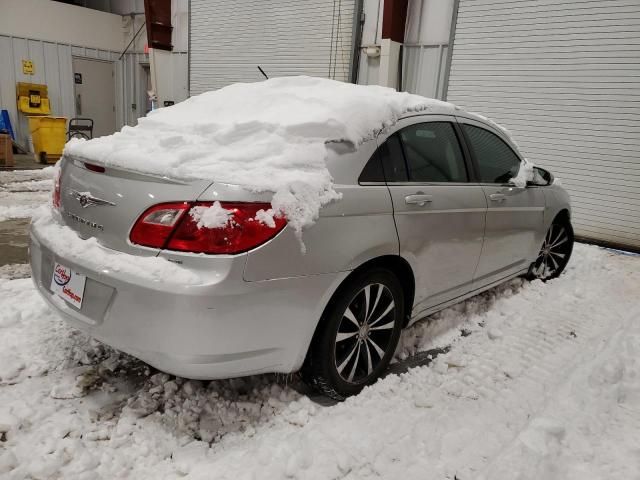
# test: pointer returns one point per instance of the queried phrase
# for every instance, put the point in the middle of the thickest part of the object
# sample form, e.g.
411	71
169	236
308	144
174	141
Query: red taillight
179	230
56	190
156	224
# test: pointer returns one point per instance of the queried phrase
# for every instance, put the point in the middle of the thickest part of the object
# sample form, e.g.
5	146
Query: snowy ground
541	381
22	191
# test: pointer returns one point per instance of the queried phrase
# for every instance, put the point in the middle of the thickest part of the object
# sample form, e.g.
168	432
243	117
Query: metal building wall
426	47
53	67
129	90
564	77
286	37
424	50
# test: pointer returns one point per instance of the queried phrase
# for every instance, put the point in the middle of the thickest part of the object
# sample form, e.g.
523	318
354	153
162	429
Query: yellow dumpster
49	134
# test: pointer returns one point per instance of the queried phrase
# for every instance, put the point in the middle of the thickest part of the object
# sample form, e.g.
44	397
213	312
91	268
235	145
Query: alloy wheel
365	333
555	252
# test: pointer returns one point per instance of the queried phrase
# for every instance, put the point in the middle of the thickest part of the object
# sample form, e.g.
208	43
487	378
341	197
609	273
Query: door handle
498	197
419	199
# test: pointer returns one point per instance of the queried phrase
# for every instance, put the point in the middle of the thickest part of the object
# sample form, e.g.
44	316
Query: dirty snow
23	191
269	136
533	381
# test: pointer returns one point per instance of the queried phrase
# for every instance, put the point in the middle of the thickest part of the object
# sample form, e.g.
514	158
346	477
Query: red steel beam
394	18
157	14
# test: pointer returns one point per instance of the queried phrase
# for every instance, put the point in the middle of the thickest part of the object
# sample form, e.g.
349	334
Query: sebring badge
87	200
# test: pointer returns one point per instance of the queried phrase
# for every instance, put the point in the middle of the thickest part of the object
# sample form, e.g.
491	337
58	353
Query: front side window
496	161
433	153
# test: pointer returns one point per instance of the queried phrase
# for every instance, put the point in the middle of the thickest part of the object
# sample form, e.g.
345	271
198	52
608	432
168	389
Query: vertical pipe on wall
356	40
440	49
452	34
189	49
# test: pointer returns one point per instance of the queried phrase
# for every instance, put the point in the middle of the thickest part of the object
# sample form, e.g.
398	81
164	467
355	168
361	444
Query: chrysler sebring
425	214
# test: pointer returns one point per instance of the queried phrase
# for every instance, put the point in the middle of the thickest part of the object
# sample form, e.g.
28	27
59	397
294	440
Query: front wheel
357	335
555	252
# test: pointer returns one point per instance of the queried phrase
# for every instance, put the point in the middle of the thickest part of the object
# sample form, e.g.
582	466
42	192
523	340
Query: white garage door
564	77
285	37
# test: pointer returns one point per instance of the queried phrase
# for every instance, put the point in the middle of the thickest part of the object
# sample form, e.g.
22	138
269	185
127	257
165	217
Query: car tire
357	336
555	252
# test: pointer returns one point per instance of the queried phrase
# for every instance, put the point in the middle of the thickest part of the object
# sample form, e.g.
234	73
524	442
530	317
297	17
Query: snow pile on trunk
268	136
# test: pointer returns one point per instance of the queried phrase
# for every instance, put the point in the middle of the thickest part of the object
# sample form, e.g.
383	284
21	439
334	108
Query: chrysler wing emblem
87	200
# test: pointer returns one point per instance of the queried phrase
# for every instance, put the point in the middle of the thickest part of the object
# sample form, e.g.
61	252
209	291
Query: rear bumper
219	328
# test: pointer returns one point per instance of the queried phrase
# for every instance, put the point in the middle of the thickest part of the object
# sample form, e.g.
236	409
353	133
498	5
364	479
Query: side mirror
541	178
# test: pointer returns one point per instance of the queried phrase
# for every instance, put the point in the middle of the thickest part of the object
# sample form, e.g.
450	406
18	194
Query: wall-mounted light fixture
372	51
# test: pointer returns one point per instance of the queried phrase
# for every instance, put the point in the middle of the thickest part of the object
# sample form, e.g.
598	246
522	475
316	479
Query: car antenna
262	72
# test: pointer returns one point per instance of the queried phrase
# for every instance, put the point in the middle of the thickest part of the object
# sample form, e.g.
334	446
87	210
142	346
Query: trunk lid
105	205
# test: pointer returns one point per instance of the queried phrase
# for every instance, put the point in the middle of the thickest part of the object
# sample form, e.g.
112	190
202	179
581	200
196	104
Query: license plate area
68	284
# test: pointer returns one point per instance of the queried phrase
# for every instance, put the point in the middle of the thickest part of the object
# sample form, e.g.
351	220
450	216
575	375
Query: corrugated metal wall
426	47
53	67
129	88
305	37
564	77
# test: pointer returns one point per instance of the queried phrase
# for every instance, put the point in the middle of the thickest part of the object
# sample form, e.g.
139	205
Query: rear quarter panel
349	231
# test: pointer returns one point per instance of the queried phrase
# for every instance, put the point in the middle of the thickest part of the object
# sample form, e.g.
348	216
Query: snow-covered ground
542	381
539	381
23	191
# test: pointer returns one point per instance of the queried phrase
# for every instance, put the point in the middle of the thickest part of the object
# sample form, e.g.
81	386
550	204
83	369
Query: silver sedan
428	217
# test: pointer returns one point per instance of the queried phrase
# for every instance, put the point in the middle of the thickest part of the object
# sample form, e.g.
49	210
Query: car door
439	213
514	214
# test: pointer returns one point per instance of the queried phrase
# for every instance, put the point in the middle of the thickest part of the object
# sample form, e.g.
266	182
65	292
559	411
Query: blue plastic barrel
5	123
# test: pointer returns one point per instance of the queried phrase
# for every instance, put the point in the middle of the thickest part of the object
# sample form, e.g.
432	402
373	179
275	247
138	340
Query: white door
228	40
95	94
564	78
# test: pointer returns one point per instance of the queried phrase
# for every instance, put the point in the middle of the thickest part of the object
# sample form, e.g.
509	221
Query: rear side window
496	161
387	162
433	153
392	160
372	171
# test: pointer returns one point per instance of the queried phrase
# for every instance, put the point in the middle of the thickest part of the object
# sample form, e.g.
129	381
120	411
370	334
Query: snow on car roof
267	136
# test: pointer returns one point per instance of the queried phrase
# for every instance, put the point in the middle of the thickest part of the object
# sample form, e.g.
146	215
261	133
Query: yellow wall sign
27	67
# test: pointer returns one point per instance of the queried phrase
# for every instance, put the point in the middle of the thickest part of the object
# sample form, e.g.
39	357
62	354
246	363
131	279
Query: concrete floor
24	162
14	241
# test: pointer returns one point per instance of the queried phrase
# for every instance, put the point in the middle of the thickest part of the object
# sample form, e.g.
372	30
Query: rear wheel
357	336
555	252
